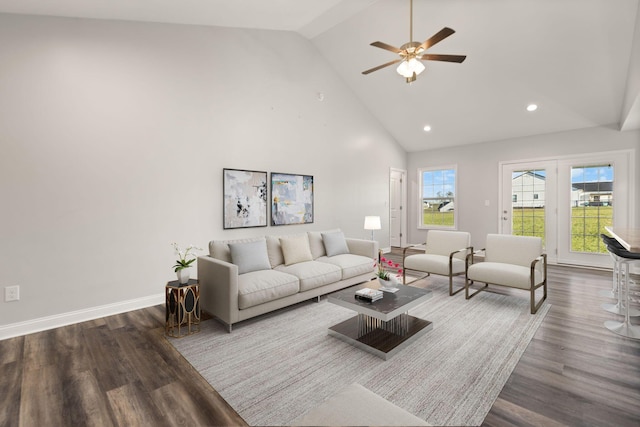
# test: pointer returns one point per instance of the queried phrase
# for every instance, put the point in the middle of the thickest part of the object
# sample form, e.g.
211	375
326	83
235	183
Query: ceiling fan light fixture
408	67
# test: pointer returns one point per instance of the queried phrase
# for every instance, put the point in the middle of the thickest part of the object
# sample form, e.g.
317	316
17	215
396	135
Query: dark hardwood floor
120	370
115	371
574	372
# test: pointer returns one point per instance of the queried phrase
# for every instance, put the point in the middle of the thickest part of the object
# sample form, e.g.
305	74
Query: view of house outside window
528	198
591	206
438	190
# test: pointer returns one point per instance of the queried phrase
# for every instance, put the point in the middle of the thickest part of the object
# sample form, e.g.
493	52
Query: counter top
628	237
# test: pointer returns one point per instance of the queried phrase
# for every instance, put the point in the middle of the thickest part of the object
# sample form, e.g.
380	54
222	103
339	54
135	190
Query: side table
182	307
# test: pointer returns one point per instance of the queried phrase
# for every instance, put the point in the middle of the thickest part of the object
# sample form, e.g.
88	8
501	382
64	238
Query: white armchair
513	261
445	253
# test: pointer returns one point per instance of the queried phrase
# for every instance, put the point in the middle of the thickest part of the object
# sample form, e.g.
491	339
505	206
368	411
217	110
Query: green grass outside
587	223
432	216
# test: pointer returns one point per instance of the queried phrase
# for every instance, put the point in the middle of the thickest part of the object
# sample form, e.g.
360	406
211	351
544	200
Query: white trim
64	319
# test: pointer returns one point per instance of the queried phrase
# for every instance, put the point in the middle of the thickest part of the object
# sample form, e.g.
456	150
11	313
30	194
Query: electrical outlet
11	293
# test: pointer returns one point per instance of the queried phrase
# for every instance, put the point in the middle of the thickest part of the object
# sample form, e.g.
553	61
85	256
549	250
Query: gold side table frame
182	307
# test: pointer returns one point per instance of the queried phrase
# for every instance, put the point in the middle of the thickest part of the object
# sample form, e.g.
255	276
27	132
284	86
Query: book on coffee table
369	294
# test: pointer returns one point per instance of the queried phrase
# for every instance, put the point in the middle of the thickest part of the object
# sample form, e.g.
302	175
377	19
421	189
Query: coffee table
382	327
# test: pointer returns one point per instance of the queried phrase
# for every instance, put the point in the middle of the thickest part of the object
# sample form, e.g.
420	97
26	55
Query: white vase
385	283
183	275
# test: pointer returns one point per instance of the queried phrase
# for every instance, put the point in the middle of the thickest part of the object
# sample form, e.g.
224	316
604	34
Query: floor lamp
372	223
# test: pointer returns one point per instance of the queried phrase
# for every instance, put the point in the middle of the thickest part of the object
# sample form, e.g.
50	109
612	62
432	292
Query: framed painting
291	199
245	198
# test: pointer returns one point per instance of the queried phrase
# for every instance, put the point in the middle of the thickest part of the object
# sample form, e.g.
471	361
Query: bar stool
610	241
619	276
625	328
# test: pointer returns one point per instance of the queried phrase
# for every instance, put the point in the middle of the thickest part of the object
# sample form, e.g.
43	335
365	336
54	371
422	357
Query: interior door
397	202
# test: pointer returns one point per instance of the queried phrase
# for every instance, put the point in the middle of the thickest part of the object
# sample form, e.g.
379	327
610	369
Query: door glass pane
591	206
528	202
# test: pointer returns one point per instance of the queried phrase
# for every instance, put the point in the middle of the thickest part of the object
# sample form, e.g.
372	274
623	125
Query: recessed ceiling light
427	128
532	107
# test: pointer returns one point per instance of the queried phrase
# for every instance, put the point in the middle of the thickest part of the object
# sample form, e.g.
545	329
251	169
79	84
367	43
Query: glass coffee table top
390	306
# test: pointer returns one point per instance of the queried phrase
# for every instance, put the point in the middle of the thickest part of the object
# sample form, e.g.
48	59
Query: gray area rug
276	368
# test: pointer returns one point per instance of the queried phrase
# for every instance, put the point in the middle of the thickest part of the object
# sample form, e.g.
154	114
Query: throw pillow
250	256
335	243
295	249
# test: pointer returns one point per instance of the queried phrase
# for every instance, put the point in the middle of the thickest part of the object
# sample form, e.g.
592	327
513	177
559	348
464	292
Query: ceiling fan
411	53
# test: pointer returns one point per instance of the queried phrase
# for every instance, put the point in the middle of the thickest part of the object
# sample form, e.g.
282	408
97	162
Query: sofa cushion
335	243
295	249
351	265
316	244
219	249
250	256
436	264
274	251
498	273
258	287
312	274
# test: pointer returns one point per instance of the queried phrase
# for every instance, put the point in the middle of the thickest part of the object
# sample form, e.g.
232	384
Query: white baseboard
58	320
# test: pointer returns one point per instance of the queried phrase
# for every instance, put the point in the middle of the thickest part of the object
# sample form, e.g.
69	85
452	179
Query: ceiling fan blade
437	37
382	66
447	58
386	46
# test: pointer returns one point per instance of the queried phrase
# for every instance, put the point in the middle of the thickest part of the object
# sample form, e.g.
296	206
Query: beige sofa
244	278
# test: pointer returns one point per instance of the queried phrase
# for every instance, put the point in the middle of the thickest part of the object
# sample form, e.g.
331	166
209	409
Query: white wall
113	137
478	170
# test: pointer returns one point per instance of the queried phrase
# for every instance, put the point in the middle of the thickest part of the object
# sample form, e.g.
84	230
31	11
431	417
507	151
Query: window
437	198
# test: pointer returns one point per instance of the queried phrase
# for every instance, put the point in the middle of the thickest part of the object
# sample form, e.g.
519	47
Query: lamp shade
372	223
407	68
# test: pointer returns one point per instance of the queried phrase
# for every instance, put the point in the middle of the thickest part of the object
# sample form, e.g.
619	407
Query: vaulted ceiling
578	60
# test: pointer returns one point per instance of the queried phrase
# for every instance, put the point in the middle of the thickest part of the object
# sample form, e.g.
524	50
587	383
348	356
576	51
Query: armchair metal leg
534	306
451	293
404	277
467	284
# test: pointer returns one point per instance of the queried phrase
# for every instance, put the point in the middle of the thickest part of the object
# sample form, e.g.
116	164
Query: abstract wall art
291	199
245	198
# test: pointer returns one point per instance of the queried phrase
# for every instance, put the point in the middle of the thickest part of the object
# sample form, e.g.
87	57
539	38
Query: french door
568	202
528	202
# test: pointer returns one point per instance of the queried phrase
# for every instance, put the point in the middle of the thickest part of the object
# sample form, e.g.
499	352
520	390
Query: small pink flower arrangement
384	274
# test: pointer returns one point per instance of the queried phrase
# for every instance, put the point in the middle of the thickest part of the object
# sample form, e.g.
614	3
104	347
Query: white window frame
421	224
